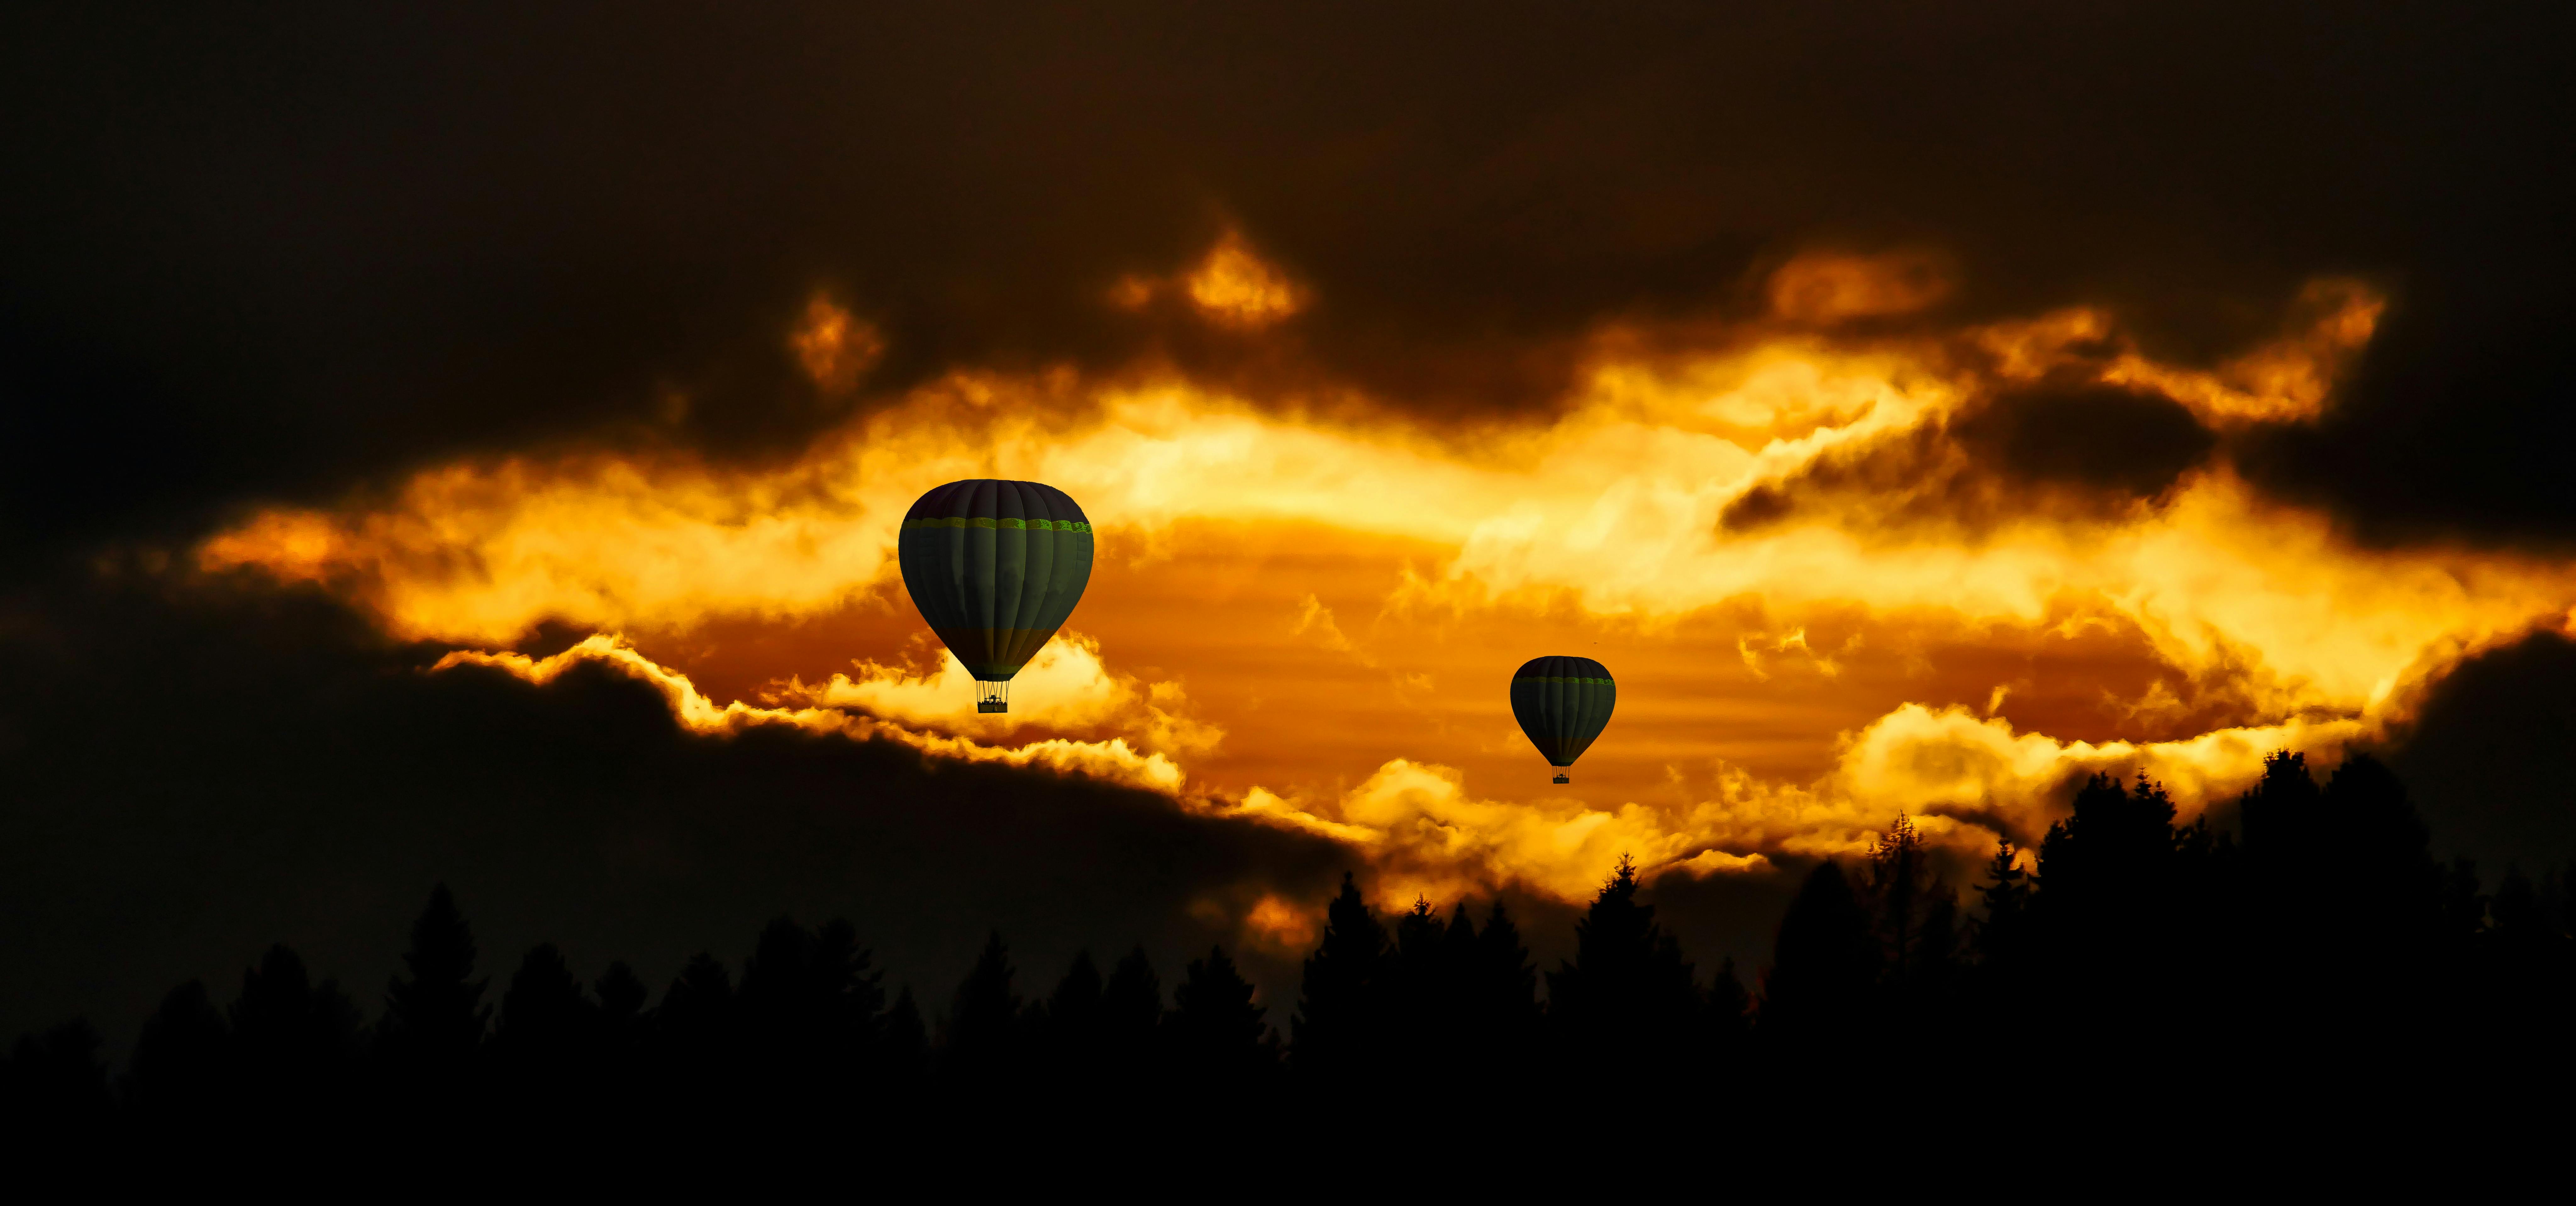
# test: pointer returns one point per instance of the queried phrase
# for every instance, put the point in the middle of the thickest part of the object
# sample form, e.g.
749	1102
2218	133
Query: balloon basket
992	697
1563	779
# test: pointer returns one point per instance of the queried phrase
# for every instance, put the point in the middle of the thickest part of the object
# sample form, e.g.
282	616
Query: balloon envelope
1563	703
995	567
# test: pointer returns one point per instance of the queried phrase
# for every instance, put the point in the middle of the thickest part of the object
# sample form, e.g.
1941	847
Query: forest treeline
2319	947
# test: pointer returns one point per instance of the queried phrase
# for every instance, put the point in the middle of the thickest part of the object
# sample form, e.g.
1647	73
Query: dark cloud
183	783
282	249
2491	758
2060	449
2456	429
2126	443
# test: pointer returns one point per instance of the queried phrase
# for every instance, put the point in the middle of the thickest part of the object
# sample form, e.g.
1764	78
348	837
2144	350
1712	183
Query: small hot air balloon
995	567
1563	703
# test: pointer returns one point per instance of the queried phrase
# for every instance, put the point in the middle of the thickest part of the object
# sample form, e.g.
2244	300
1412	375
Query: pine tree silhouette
1073	1048
2282	812
2384	875
1627	996
810	1012
2108	866
295	1042
1505	989
623	1021
775	1005
904	1057
183	1068
1450	1030
1819	998
1422	997
1339	1029
1218	1038
547	1030
1995	986
849	994
1131	1020
696	1036
2106	905
620	1051
435	1017
2001	935
1915	915
2325	962
982	1045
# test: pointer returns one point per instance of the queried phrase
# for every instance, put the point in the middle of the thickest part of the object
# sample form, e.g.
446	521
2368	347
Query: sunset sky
419	426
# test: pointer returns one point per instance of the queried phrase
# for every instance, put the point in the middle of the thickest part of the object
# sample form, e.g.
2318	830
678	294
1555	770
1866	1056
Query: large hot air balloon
995	567
1563	703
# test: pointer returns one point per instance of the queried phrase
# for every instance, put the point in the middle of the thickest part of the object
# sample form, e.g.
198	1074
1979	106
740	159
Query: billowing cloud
1238	288
2039	476
834	347
1830	287
1066	686
1113	760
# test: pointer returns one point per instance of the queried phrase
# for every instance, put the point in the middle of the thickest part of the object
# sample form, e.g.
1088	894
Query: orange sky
1307	604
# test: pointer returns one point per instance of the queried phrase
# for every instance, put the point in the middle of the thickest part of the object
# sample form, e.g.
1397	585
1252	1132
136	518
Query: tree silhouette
2107	861
2283	812
904	1056
1218	1039
296	1041
183	1062
1424	993
695	1036
1627	994
435	1017
2002	934
1819	994
982	1043
2326	961
1131	1019
1339	1029
1914	914
1070	1026
2108	890
810	1011
622	1020
543	1041
1503	1012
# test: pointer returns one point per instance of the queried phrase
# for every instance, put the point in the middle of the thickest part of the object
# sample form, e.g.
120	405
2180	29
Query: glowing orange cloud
1234	286
1113	760
835	348
1829	287
1303	623
1231	286
1066	686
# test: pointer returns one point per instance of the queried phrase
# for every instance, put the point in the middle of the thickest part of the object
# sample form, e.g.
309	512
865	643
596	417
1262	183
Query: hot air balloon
995	567
1563	703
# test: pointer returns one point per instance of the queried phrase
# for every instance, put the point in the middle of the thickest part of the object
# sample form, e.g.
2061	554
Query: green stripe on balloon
1016	525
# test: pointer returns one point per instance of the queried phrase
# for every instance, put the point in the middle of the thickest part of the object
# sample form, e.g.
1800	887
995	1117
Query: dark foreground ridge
2320	959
